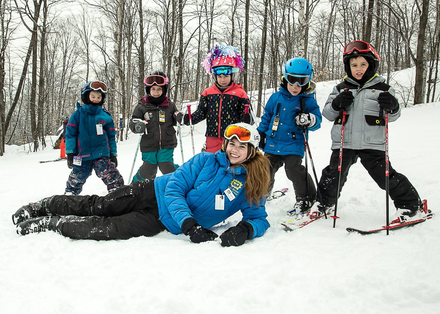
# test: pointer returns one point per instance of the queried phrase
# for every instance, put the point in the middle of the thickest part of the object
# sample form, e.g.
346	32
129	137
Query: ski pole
179	131
303	110
191	128
341	148
135	155
137	147
387	174
309	152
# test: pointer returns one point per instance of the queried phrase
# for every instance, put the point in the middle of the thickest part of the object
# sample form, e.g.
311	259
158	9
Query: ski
391	226
303	220
277	194
44	161
424	215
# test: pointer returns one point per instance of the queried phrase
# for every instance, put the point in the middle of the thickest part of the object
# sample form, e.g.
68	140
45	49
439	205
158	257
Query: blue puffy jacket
190	192
288	139
82	136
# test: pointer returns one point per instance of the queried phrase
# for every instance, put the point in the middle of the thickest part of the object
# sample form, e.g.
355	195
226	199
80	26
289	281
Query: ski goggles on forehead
155	79
224	70
361	47
97	85
301	80
242	134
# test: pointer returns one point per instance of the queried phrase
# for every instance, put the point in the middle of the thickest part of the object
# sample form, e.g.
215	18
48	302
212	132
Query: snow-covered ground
318	269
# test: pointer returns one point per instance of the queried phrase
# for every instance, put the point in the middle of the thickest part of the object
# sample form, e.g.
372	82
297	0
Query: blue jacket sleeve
312	107
269	112
71	134
178	187
111	135
256	216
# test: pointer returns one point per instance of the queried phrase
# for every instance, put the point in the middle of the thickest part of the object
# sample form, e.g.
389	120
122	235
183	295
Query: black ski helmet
95	86
164	87
359	48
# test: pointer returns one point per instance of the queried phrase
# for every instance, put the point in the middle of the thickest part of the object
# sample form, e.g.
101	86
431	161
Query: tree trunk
420	85
263	56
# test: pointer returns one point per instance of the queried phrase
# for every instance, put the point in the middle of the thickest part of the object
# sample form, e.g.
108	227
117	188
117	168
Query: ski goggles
155	79
98	86
301	80
361	47
224	70
242	134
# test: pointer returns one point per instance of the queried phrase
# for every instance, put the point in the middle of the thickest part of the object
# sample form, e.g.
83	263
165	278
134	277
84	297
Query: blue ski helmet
298	70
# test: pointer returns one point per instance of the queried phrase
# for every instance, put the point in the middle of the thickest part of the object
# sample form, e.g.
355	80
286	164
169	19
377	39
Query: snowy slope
317	269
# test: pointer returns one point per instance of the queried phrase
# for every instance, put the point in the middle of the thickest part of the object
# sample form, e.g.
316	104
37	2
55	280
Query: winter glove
343	101
247	118
186	119
237	235
179	117
70	161
387	102
114	160
197	233
139	126
306	120
262	140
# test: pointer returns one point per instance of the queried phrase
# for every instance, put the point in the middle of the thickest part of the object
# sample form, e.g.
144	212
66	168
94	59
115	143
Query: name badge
99	130
162	116
219	202
229	194
77	160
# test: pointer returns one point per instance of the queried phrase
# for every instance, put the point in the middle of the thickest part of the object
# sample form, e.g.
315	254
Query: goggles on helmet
242	134
155	79
301	80
97	85
361	47
224	70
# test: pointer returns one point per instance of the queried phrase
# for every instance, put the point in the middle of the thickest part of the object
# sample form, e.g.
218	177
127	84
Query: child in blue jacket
91	142
200	194
289	115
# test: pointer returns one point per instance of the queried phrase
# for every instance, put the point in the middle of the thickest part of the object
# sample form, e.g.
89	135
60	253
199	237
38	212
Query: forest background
50	48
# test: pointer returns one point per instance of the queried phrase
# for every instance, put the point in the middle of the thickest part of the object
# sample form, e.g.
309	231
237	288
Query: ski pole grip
246	109
189	111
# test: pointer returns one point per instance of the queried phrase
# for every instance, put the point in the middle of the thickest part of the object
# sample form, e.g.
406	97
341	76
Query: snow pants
104	169
130	211
402	192
162	158
296	172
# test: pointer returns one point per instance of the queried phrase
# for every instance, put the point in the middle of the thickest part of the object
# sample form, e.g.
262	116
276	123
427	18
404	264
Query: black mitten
236	236
70	161
343	100
387	102
114	160
262	140
186	119
197	233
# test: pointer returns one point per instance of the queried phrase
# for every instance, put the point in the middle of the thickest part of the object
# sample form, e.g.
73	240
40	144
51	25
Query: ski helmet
245	133
95	86
359	48
156	78
298	71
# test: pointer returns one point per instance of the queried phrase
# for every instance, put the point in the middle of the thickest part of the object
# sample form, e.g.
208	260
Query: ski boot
37	225
301	207
30	211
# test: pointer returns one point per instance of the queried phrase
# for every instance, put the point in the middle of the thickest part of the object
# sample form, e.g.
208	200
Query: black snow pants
295	172
129	211
402	192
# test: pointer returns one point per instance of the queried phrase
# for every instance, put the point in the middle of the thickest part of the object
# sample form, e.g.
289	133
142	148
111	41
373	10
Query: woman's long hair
258	174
